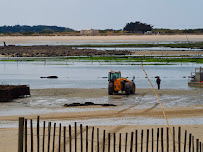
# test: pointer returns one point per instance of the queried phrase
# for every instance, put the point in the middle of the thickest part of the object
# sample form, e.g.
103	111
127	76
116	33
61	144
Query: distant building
148	32
91	31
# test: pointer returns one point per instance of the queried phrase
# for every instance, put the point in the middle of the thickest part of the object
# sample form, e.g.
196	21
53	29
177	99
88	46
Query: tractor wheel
133	89
127	88
110	88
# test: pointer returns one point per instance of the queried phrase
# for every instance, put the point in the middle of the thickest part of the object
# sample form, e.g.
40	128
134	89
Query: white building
91	31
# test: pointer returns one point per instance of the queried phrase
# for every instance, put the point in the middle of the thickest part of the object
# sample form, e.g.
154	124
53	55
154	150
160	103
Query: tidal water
92	75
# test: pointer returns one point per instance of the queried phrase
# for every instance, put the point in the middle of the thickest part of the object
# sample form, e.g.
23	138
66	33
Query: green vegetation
177	45
157	60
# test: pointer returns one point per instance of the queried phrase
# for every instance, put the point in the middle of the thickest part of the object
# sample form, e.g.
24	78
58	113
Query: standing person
158	81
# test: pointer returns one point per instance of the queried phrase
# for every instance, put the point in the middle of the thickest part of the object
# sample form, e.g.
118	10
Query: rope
160	104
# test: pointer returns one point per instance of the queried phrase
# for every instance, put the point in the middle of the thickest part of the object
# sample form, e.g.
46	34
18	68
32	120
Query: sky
103	14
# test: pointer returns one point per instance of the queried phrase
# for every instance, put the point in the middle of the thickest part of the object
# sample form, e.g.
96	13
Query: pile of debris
9	92
87	104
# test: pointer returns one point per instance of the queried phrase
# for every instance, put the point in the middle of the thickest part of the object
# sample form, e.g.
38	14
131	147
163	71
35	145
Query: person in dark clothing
158	81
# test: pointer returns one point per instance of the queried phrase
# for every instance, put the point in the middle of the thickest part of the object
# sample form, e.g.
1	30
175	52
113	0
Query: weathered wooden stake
114	142
86	138
190	139
20	134
152	140
59	146
43	137
92	145
49	133
131	143
38	134
70	139
136	135
97	139
64	139
75	136
185	141
174	139
197	145
109	141
54	133
120	142
104	134
157	142
147	140
25	135
167	138
179	139
31	133
193	144
126	140
162	139
141	140
81	141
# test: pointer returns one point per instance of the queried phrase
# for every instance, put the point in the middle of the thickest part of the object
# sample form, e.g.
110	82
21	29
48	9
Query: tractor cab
113	75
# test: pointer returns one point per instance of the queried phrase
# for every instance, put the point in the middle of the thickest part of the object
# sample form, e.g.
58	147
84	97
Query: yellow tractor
117	83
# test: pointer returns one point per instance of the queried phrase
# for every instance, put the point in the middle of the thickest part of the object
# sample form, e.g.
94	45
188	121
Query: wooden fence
91	139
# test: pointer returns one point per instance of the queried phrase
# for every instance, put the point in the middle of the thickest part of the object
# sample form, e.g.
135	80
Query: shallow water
92	75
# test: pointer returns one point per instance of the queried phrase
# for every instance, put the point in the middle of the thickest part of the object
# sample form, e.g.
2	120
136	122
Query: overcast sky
102	14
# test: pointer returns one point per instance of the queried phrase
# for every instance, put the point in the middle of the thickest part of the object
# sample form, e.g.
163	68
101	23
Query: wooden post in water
49	133
54	133
31	138
37	133
25	135
20	134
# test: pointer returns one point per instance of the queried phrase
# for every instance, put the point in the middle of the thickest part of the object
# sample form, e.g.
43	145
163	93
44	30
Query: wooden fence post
25	135
174	139
109	142
54	133
185	141
147	140
114	142
190	138
193	144
37	133
162	139
20	134
167	138
43	137
81	139
136	146
86	138
31	138
64	139
70	139
131	143
126	140
200	146
92	145
59	147
97	139
141	140
179	139
197	145
157	142
152	140
120	142
49	132
75	136
104	141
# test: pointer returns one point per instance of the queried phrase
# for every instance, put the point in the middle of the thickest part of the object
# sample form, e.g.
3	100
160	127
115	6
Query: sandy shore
118	114
98	39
